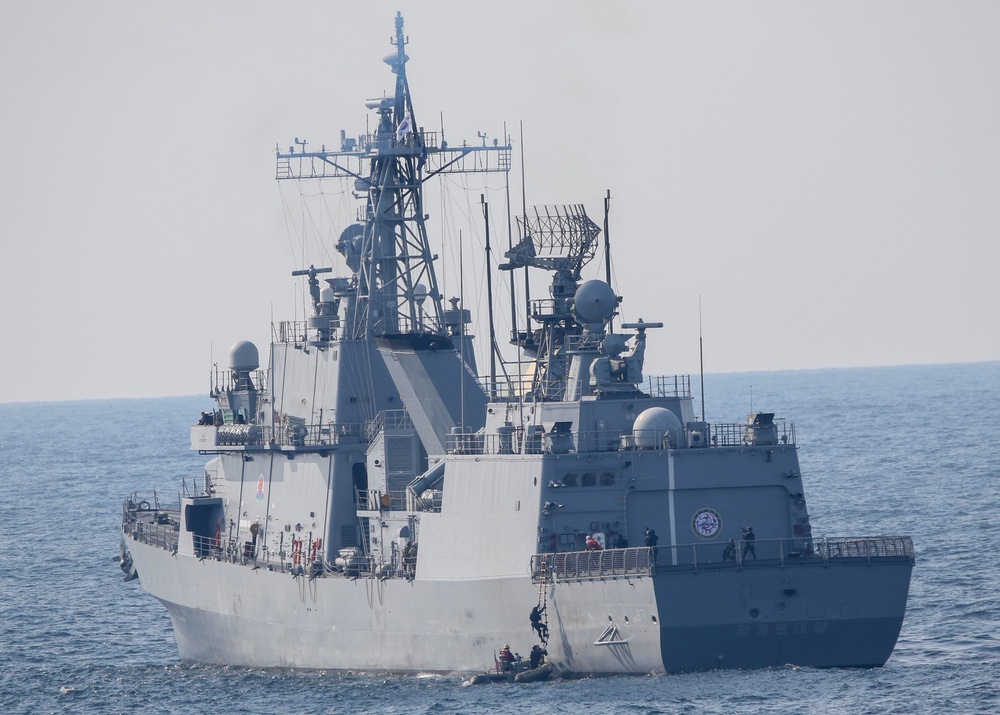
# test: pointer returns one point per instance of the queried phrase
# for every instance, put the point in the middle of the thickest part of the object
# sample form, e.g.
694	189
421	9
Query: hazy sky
824	177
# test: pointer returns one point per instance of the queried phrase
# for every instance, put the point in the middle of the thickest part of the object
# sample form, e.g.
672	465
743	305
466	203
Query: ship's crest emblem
706	523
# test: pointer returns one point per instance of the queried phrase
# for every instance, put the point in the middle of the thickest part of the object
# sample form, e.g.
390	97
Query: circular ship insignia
706	523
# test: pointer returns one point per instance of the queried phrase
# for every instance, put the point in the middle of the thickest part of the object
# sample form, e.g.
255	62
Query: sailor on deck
748	545
650	540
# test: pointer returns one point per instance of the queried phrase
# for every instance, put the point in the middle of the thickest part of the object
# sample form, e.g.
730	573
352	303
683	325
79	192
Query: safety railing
229	380
784	552
378	500
646	561
293	434
583	343
390	421
429	501
589	565
290	331
145	520
868	548
287	432
668	386
535	440
160	527
302	558
737	434
515	388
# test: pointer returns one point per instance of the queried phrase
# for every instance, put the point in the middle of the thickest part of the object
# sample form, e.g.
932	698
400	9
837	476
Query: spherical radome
595	302
243	357
653	424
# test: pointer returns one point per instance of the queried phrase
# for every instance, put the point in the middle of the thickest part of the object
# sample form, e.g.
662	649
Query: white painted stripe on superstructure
670	501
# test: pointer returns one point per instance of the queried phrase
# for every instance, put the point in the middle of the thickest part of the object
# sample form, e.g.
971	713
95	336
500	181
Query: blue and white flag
404	128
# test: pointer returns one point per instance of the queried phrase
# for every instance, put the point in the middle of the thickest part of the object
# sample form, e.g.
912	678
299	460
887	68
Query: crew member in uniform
537	656
536	623
651	540
748	545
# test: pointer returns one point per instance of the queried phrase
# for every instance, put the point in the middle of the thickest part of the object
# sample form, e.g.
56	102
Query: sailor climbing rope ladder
538	623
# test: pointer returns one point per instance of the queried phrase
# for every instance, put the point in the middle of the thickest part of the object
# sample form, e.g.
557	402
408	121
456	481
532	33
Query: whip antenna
701	360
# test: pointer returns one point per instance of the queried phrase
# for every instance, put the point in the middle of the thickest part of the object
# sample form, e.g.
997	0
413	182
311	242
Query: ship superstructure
372	503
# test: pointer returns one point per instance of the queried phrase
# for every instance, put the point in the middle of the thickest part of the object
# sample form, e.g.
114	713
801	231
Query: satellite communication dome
652	425
243	357
595	302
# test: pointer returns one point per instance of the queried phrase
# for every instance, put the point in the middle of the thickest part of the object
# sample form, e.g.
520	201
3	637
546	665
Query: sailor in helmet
506	659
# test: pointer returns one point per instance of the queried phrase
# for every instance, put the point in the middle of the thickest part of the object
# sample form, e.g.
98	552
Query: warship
373	502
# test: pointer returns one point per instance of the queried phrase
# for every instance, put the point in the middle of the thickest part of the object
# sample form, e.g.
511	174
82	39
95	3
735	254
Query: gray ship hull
753	617
843	616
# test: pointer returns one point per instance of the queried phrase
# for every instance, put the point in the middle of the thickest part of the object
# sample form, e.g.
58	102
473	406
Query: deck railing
782	553
291	433
535	440
379	500
736	434
668	386
157	526
152	524
145	521
588	565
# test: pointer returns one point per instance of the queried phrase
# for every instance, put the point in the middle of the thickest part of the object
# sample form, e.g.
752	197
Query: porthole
754	613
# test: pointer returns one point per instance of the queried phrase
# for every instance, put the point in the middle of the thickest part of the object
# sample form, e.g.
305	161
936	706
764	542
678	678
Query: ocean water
901	450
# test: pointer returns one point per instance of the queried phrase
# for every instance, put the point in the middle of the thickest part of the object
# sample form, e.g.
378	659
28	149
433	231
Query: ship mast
396	288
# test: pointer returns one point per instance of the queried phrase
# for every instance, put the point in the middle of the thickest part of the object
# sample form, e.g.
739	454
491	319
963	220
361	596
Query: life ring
144	505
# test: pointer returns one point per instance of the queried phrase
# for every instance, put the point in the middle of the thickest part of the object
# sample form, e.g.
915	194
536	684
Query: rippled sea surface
902	450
